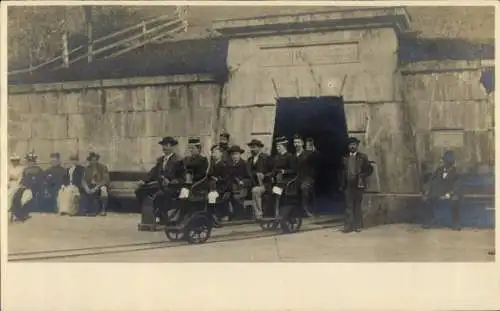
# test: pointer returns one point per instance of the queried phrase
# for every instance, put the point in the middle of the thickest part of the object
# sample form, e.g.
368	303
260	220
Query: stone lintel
387	17
126	82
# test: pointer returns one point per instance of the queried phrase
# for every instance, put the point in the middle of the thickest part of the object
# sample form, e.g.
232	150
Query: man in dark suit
305	173
224	145
443	186
96	186
53	179
260	168
356	170
196	166
238	179
165	178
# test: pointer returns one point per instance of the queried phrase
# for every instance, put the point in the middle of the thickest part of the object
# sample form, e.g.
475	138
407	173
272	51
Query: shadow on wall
413	49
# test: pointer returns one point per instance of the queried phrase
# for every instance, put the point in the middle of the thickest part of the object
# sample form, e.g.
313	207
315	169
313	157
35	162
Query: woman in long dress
69	196
15	175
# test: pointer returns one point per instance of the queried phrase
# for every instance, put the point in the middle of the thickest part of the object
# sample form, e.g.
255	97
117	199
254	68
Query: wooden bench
122	190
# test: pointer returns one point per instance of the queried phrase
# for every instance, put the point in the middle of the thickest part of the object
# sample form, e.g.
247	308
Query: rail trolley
195	207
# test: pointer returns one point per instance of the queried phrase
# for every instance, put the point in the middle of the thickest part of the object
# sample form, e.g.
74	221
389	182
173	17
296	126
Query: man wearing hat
195	164
443	186
260	167
224	145
305	172
72	188
238	179
95	184
356	169
167	174
53	179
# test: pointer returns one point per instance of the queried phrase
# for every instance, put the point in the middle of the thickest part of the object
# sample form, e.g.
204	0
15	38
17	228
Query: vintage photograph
251	134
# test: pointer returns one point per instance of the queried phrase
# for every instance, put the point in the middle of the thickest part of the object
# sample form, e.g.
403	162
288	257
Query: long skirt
68	200
21	201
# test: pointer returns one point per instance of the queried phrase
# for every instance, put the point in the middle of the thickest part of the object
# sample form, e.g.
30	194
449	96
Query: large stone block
66	147
42	147
19	147
447	115
479	115
135	124
19	126
357	116
51	126
91	101
69	102
21	103
47	102
148	151
76	126
125	99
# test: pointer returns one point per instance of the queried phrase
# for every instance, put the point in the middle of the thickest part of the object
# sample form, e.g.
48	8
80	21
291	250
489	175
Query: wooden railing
157	30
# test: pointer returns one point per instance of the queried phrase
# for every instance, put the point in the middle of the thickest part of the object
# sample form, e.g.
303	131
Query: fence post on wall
88	21
65	53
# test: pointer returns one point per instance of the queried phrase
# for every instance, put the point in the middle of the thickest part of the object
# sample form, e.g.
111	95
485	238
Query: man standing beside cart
260	168
356	170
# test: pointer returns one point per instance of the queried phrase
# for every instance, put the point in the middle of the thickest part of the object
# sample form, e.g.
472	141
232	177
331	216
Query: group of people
73	190
227	173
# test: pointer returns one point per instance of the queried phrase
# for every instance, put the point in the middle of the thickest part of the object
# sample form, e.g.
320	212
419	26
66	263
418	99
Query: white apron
68	200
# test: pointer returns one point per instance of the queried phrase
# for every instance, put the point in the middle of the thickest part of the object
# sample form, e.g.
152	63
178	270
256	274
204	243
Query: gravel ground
245	243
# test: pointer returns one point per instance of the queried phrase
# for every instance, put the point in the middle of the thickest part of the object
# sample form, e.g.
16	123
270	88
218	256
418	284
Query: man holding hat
356	169
444	186
95	184
167	174
53	180
238	179
260	167
305	172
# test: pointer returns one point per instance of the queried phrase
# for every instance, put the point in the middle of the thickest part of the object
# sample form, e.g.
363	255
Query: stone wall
449	109
121	120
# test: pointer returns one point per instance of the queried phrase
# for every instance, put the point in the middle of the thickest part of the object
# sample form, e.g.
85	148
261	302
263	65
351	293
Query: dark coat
33	178
216	175
96	174
363	168
264	165
197	166
173	170
77	176
305	165
286	164
54	177
438	185
235	172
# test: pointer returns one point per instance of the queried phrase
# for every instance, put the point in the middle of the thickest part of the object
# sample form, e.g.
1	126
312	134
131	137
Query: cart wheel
174	235
199	235
291	224
268	225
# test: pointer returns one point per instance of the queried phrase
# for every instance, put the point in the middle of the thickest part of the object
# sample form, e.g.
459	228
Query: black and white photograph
249	134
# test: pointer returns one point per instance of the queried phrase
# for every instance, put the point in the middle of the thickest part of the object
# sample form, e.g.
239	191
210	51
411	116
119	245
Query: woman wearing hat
15	175
95	184
444	185
25	199
71	191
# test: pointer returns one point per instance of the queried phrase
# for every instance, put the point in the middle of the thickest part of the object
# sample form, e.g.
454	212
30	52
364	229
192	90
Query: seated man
260	168
195	164
95	184
444	185
165	178
216	183
305	173
237	177
53	179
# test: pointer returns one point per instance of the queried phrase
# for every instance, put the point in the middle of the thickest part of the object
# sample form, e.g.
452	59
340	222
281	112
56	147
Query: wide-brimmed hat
31	156
169	140
194	141
353	140
74	157
256	143
448	157
93	155
15	157
281	140
235	149
55	155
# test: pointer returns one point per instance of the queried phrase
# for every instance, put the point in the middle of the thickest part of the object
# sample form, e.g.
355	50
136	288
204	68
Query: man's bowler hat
224	135
353	140
93	155
235	149
169	140
194	141
256	143
31	156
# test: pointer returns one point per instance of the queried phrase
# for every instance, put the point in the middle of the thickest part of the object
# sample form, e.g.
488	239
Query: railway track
61	254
